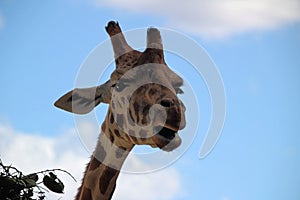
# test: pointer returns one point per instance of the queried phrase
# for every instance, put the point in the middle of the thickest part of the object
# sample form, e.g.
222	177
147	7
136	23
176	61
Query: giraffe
144	109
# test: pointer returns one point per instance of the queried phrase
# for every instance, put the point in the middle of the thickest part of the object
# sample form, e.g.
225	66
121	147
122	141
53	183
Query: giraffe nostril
167	103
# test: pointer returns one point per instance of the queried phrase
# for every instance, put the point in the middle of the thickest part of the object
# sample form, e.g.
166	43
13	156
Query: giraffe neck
102	171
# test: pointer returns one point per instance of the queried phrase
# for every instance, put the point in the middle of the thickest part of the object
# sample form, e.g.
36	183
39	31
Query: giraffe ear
84	100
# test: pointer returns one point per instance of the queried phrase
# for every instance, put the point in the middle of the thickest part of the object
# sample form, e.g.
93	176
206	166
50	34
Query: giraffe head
144	98
144	107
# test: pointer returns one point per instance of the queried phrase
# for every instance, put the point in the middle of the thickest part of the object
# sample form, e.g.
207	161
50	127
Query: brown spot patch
103	127
127	137
110	132
120	120
86	194
120	152
105	179
94	163
117	133
111	118
112	138
134	139
143	133
131	132
100	153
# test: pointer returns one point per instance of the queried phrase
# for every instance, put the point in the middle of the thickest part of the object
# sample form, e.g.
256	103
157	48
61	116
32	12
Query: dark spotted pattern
120	152
111	119
120	120
128	59
143	133
94	163
105	179
117	133
131	132
112	138
100	153
127	137
87	194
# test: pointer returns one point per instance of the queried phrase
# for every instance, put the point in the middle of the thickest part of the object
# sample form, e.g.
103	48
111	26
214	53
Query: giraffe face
142	93
146	106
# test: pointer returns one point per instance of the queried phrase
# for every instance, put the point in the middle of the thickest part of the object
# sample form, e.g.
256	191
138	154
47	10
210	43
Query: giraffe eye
120	86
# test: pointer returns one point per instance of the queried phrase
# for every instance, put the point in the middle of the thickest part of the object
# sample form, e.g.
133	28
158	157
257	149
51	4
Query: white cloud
33	152
215	18
162	185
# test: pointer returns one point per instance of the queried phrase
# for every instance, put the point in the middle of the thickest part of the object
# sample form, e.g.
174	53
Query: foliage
15	185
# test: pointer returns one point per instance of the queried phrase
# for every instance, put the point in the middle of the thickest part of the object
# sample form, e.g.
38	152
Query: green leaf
52	175
33	176
7	182
29	183
53	184
30	180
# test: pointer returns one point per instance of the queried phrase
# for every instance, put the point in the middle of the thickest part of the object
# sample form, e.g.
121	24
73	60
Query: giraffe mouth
166	139
166	132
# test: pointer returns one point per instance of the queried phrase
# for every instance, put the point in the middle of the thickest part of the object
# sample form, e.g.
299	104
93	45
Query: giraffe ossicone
144	109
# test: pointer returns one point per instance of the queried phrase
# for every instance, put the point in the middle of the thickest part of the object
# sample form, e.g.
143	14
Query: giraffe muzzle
166	139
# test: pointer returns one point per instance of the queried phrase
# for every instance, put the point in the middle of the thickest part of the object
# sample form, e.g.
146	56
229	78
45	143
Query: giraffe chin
167	139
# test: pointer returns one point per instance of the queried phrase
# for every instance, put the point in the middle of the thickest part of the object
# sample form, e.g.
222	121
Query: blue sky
43	44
